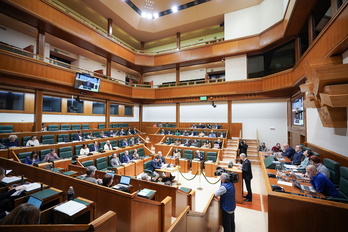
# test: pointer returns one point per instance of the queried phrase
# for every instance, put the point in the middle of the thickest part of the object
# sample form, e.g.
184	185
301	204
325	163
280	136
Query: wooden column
38	110
140	126
229	116
310	30
177	115
107	114
108	65
178	40
297	49
40	40
109	27
141	78
177	74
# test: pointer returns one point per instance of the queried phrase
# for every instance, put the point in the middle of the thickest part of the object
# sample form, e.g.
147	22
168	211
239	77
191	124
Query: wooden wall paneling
143	93
166	209
29	103
342	159
146	212
236	129
180	223
38	110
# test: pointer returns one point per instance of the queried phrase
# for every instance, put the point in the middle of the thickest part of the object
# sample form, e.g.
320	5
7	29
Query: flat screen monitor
86	82
35	201
125	180
297	112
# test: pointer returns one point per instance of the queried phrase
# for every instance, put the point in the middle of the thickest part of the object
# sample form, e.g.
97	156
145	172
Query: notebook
35	201
124	182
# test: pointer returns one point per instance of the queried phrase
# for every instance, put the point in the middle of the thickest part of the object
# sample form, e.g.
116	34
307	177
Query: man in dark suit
94	147
289	151
247	176
78	136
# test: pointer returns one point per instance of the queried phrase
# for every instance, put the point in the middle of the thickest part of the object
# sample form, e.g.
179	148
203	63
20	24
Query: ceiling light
143	14
174	9
155	15
149	16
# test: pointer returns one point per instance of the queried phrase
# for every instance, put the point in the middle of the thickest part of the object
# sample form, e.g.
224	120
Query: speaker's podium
147	193
76	211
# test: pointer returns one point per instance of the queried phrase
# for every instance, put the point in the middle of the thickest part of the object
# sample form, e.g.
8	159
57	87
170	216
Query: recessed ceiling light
143	14
155	15
174	9
149	16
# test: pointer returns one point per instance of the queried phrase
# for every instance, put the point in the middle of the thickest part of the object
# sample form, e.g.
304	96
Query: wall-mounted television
84	81
297	112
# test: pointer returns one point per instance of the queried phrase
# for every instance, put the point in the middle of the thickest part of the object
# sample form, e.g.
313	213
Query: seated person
128	132
136	155
124	143
51	156
195	143
6	202
263	147
94	147
198	155
154	124
84	150
90	136
187	143
320	182
177	132
219	143
137	140
201	134
288	151
185	133
78	136
163	132
168	141
111	133
115	161
208	126
33	141
131	141
297	157
125	158
101	135
122	132
212	134
315	161
90	173
161	158
108	180
176	153
277	148
305	159
178	142
107	146
170	132
206	144
167	125
193	126
43	127
24	214
155	164
32	158
147	139
192	133
134	131
215	126
145	177
12	141
200	125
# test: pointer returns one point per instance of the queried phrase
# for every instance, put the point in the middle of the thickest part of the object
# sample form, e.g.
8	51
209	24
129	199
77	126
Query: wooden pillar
229	116
140	126
38	110
40	40
107	114
310	30
297	49
177	74
178	41
108	65
109	27
177	115
141	78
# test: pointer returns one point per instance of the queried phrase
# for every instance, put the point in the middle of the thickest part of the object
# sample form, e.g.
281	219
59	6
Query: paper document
144	192
284	183
289	166
32	186
70	208
11	179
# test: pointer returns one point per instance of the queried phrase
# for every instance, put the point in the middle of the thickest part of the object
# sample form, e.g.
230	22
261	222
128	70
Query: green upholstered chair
65	152
52	127
43	153
102	144
96	133
141	152
125	125
75	127
6	129
63	138
120	142
188	154
101	126
4	141
342	187
77	149
102	164
88	163
114	143
25	140
334	169
21	156
65	127
48	141
85	127
72	136
146	167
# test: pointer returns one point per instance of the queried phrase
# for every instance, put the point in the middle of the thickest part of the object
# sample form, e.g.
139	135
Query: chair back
334	169
343	186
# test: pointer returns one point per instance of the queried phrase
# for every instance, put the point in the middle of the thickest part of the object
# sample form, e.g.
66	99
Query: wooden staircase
252	151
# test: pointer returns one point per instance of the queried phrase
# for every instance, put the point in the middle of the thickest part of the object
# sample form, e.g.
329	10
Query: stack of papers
284	183
289	166
11	179
70	208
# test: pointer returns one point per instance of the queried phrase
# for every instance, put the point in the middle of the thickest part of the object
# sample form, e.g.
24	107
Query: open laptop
124	182
35	201
303	187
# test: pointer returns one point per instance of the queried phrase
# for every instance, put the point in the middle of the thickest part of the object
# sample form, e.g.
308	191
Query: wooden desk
184	165
167	171
210	168
139	166
196	165
50	197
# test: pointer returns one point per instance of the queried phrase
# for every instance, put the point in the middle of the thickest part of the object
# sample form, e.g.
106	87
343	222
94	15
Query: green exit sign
204	98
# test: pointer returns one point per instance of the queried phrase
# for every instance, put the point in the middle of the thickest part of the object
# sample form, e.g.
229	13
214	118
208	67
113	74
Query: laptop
35	201
124	182
303	187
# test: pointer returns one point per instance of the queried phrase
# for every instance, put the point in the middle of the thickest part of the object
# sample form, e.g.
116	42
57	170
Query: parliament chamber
89	81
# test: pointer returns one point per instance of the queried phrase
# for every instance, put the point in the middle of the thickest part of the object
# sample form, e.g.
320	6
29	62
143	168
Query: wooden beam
38	110
307	87
333	117
311	103
336	89
339	100
311	65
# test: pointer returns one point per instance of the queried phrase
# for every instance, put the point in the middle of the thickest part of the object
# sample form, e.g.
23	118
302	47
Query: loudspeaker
269	162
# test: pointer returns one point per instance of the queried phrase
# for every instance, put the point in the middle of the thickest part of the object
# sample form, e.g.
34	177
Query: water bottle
70	193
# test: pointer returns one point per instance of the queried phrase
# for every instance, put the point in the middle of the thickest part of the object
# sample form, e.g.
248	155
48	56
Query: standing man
227	202
247	176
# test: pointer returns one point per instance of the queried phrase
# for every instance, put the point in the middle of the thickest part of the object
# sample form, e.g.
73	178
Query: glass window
11	101
128	110
98	108
114	109
52	104
255	66
75	106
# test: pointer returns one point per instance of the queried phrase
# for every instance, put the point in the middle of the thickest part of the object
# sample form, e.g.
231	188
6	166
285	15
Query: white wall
192	74
203	112
236	68
15	117
253	20
159	113
16	38
88	64
259	117
71	118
